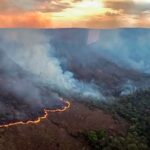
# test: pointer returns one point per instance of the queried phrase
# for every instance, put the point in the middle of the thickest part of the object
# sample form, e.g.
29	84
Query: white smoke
129	48
128	88
31	50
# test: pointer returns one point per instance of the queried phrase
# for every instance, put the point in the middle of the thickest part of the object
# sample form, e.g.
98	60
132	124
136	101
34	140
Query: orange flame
39	119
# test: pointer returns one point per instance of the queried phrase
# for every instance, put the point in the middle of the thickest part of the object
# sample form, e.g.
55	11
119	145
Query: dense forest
135	109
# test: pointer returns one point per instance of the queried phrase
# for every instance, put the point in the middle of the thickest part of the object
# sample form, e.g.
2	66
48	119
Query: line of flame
39	119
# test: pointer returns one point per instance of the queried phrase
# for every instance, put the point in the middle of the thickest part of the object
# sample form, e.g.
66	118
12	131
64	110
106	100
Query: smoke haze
32	52
74	63
129	48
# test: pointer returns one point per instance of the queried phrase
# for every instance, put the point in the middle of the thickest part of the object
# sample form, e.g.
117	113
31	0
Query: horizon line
86	28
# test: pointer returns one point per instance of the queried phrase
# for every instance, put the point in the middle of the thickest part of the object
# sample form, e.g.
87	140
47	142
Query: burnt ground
61	130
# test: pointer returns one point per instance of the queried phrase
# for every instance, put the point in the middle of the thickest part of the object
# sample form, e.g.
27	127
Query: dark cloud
124	5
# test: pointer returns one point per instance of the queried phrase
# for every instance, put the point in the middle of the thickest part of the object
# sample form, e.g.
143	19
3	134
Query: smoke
32	52
128	88
129	48
37	67
107	58
41	65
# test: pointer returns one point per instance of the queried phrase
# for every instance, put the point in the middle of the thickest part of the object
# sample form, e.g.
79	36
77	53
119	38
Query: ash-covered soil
61	131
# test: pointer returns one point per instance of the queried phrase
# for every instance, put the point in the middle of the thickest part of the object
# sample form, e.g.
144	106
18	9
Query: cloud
65	13
27	20
119	4
34	5
128	6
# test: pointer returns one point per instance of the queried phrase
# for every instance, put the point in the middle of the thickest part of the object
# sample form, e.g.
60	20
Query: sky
74	13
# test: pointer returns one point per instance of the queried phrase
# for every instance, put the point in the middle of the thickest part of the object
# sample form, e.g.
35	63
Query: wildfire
39	119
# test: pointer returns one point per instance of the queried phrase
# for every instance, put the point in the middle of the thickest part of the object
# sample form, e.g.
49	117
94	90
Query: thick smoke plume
37	67
107	58
73	63
32	52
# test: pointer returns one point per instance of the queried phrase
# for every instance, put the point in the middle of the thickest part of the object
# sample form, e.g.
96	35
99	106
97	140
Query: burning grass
39	119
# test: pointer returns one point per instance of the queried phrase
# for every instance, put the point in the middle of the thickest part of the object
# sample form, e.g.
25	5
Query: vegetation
135	109
101	140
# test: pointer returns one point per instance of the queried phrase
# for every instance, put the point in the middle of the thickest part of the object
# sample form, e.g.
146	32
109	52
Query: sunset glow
74	13
90	5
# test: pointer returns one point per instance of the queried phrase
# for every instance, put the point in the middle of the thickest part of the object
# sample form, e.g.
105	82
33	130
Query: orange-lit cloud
74	13
24	20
